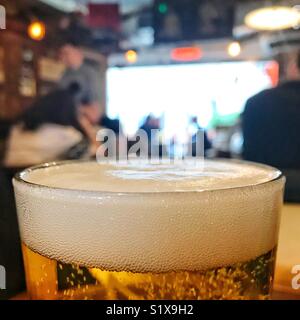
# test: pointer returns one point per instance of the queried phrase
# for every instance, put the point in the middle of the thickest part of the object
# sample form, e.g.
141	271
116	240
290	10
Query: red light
186	54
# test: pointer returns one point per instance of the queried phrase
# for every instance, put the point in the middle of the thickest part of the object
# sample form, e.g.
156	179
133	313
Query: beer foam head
144	177
150	218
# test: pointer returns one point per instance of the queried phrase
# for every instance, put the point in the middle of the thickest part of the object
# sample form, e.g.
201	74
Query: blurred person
113	125
193	129
47	130
89	117
236	140
149	124
52	129
77	70
271	128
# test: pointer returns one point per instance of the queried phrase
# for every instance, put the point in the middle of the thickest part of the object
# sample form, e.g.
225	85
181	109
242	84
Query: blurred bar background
174	65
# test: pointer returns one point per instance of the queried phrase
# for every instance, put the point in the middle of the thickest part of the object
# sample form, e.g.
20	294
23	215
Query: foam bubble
152	230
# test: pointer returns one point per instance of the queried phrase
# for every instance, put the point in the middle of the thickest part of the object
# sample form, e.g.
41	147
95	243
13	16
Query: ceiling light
273	18
37	30
131	56
234	49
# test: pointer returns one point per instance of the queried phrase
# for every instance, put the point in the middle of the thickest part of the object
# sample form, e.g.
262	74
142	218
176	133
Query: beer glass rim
19	177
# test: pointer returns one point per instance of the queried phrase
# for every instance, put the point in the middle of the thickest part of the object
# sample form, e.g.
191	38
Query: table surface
287	257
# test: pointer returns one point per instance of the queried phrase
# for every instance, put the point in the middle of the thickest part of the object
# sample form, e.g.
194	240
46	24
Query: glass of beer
149	231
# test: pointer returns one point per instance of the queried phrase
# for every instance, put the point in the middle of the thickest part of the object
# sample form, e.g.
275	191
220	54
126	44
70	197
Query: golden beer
137	231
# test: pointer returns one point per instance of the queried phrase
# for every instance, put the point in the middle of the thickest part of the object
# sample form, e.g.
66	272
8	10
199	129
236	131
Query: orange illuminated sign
186	54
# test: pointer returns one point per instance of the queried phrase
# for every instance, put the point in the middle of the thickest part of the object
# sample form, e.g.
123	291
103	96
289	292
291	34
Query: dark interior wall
13	46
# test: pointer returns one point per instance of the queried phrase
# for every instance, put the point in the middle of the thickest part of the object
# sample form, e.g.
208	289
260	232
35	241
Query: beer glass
145	231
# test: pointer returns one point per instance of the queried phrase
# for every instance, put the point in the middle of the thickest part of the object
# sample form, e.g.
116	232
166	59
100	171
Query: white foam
208	175
153	230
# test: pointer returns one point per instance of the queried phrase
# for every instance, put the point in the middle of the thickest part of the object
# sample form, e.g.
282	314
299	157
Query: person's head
58	107
152	121
293	67
194	120
149	119
71	55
